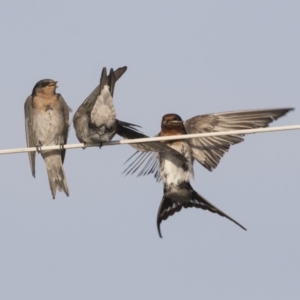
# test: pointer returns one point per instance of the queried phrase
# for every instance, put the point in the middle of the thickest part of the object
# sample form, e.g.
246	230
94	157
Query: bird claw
38	148
84	146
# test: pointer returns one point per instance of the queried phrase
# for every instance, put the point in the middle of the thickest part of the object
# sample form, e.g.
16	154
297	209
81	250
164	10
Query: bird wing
208	151
65	110
146	157
29	136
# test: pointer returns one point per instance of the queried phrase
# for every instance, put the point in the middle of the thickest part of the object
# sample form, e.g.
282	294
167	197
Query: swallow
95	120
208	151
47	123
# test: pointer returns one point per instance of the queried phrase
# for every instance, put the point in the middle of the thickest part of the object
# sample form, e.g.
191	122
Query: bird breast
48	126
173	171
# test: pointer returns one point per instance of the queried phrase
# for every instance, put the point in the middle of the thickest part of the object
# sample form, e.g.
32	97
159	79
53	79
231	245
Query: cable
155	139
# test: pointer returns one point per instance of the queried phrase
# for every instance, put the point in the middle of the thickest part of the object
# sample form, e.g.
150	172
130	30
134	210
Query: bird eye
44	84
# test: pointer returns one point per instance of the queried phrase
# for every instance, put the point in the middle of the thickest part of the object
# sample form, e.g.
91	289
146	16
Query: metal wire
154	139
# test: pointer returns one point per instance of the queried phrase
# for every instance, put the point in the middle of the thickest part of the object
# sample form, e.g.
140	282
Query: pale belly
103	112
48	127
172	171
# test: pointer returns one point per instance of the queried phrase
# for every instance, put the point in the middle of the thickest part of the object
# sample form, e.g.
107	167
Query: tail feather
169	207
56	174
166	209
200	202
110	79
113	77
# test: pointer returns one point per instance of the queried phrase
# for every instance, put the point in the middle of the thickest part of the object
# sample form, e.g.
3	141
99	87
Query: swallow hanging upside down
95	120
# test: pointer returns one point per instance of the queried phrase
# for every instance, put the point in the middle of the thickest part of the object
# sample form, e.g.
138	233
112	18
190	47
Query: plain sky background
186	57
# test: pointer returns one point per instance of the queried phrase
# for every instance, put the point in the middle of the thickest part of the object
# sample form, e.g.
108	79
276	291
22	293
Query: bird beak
170	124
53	83
175	122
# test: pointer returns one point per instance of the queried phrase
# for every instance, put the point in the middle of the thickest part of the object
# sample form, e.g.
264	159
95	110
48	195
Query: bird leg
39	147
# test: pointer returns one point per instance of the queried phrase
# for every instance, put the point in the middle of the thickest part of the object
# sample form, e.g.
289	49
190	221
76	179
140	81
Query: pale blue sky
186	57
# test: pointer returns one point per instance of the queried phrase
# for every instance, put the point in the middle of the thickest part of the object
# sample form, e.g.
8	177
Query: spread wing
146	162
29	132
146	158
128	131
65	110
208	151
168	208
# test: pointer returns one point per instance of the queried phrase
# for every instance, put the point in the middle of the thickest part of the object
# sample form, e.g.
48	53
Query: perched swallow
47	123
208	151
95	120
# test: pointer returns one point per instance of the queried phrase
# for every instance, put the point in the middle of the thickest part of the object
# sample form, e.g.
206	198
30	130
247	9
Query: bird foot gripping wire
38	148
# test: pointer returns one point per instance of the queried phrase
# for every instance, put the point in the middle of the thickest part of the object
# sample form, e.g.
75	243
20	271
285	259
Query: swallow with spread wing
208	151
